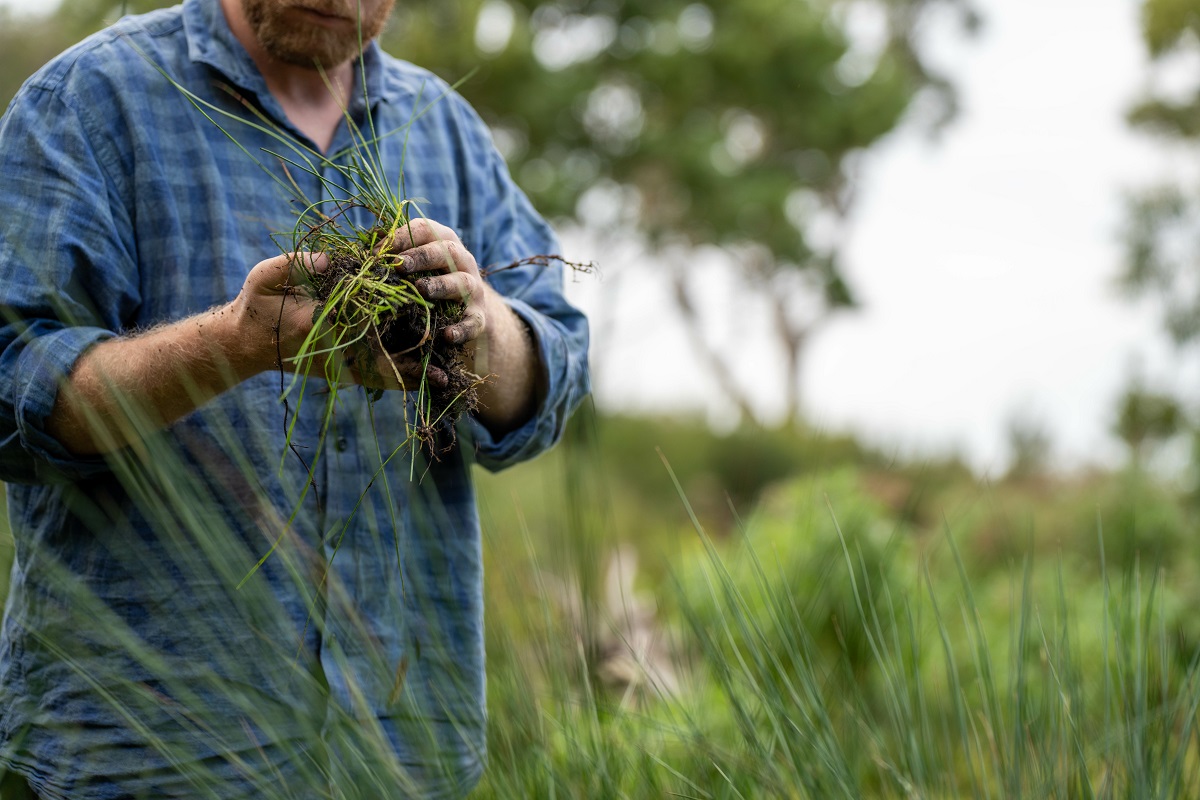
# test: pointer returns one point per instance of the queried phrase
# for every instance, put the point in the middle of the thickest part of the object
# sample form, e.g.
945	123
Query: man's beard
310	45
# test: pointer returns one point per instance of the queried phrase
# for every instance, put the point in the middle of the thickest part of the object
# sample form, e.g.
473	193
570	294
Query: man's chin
311	55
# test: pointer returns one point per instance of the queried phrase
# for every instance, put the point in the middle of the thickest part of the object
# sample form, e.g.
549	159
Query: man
147	312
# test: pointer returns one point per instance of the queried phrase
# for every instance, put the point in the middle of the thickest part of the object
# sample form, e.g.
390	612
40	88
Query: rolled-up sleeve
69	274
561	343
513	232
39	370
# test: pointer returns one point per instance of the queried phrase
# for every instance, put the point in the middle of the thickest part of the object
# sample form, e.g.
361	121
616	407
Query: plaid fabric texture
131	665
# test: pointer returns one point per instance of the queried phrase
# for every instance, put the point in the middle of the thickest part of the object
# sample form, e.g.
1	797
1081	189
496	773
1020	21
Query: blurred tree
1146	419
674	124
1030	447
1162	227
682	125
1162	223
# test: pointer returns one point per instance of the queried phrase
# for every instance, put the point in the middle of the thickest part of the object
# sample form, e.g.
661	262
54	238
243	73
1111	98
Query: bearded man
147	318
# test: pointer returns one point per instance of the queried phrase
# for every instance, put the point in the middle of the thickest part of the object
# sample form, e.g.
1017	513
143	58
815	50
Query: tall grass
826	660
6	549
825	649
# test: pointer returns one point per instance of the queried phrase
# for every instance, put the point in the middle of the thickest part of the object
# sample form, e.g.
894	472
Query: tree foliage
1145	419
668	123
1162	245
714	115
684	125
1166	23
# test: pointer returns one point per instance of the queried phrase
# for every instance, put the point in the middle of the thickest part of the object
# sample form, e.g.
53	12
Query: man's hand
275	309
169	371
496	344
424	246
123	386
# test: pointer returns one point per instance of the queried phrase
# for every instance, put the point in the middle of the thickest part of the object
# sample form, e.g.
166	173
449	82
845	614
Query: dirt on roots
412	334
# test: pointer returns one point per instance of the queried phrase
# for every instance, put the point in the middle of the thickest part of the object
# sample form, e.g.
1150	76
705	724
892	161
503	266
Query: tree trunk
794	338
712	359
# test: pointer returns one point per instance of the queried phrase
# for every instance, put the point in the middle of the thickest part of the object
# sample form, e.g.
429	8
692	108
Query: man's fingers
441	256
312	263
270	275
283	272
468	329
384	372
437	377
418	232
459	286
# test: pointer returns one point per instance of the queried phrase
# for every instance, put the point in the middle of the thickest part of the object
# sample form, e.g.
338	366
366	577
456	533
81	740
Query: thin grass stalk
956	690
836	775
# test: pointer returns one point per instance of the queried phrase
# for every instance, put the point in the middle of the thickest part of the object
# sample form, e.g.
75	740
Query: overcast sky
988	263
985	262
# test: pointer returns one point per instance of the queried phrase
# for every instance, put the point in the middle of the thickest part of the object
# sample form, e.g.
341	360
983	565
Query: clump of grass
371	324
370	309
367	306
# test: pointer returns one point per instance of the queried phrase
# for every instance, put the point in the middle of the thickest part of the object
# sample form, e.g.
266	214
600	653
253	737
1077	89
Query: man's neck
313	102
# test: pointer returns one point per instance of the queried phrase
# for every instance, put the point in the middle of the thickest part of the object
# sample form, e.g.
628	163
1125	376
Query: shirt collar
210	41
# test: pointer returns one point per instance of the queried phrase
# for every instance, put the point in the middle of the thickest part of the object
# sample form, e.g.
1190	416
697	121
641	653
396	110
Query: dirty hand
442	269
275	309
492	341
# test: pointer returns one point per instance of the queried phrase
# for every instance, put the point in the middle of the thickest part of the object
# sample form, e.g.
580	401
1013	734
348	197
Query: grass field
674	613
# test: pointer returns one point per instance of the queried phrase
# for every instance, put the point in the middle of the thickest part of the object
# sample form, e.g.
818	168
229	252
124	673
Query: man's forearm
508	357
122	387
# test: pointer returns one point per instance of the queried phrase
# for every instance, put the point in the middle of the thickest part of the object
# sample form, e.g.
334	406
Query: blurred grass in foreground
871	628
784	613
6	546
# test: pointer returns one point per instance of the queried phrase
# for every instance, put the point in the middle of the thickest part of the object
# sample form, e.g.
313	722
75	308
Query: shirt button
341	444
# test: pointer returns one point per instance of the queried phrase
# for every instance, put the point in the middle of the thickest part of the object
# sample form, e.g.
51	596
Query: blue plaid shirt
131	662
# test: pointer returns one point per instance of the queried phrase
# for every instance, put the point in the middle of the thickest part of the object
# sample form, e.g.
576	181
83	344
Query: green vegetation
767	613
691	125
682	125
869	629
852	625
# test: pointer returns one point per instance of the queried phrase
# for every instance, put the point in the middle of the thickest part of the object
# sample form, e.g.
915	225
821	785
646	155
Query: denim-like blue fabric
131	664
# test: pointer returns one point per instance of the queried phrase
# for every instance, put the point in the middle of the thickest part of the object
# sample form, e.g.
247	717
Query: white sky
985	262
988	264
